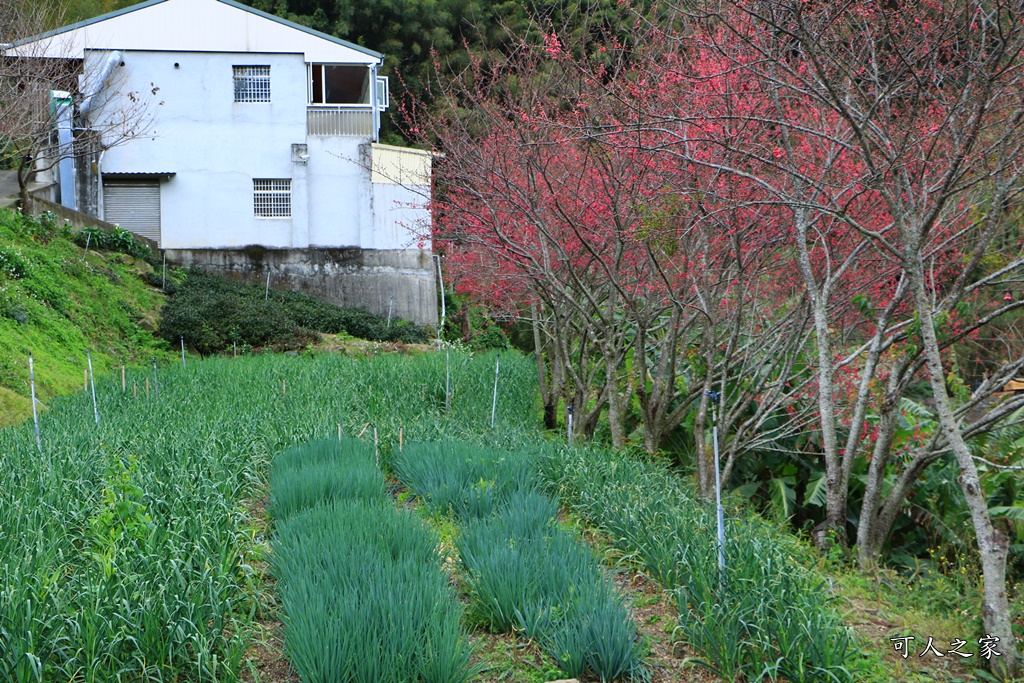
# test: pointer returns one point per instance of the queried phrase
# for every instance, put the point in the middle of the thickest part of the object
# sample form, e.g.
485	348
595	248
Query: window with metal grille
272	198
252	83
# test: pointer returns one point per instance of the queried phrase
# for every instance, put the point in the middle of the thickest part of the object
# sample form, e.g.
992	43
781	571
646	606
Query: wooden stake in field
182	338
35	414
339	431
399	439
284	387
124	386
494	402
92	383
135	389
147	386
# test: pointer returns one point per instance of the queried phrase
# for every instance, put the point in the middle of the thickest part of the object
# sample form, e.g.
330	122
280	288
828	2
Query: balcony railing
356	121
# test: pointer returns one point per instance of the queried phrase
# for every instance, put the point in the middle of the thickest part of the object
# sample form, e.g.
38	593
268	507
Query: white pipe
94	86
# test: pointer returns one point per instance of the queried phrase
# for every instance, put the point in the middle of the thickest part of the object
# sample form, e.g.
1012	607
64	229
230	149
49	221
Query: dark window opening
339	84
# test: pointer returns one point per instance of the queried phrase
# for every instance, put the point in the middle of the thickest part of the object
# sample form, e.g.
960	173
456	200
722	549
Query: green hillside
58	301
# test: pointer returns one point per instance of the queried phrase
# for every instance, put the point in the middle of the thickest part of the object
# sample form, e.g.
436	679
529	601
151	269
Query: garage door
135	206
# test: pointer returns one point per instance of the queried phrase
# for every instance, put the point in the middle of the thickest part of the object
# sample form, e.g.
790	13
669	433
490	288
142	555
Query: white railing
356	121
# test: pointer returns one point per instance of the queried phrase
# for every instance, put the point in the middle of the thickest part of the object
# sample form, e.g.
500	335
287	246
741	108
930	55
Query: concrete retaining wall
351	277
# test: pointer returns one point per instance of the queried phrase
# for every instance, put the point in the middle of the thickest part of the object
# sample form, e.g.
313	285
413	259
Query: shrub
211	312
118	240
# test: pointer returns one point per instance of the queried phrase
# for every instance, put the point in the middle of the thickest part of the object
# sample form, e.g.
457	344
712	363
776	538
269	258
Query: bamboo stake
35	413
92	383
399	439
494	402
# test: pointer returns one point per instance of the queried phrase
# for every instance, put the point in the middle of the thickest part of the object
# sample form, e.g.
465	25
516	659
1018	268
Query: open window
339	84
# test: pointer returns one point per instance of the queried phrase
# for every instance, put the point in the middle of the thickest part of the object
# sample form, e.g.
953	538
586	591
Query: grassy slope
65	303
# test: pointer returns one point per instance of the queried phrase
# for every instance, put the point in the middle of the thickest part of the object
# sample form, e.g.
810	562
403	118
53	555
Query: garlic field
132	539
126	545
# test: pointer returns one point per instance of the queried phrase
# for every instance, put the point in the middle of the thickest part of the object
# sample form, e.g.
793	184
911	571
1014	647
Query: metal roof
192	26
140	175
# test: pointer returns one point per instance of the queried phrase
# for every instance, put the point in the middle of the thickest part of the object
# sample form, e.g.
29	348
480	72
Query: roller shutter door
135	206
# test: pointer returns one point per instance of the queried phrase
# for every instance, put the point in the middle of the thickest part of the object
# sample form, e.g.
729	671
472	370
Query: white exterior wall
214	146
401	197
339	207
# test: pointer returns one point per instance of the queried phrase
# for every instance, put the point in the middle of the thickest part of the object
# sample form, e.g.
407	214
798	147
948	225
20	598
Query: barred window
272	198
252	83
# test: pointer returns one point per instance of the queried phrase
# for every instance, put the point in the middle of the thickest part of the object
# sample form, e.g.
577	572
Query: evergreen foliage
212	313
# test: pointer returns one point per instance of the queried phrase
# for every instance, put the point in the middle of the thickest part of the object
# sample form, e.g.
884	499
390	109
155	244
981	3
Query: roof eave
149	3
83	23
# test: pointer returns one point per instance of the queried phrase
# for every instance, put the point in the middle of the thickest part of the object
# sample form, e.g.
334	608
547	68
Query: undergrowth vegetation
211	313
361	585
526	572
58	301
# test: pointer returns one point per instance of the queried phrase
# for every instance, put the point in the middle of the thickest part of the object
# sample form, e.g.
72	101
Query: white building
255	150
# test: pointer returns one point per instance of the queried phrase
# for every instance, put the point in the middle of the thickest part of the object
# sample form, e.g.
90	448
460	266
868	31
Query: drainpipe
374	104
95	85
62	109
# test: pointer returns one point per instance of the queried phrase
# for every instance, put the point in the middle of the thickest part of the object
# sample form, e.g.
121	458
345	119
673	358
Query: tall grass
525	571
361	585
127	550
768	617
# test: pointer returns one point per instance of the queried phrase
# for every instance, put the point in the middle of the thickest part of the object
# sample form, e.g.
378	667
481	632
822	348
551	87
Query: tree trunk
548	393
992	543
24	171
869	542
833	529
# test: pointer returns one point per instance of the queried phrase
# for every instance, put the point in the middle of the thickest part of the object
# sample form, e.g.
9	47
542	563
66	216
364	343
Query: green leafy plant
361	585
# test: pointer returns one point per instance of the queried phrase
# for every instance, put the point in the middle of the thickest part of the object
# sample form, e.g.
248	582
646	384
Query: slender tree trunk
992	543
547	393
24	170
868	545
835	496
616	422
